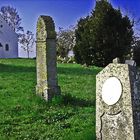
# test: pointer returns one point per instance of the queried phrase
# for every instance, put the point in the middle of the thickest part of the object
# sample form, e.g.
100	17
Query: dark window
1	45
7	47
1	26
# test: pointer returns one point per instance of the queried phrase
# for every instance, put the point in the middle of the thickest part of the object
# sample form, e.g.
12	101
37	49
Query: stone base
48	92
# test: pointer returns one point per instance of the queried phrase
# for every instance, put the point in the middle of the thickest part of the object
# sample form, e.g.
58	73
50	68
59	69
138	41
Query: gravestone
130	62
118	103
47	84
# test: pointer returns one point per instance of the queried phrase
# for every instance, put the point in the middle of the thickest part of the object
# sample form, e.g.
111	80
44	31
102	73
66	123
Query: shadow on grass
72	101
16	69
77	71
61	70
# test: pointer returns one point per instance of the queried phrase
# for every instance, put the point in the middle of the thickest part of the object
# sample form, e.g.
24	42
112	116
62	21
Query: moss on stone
45	28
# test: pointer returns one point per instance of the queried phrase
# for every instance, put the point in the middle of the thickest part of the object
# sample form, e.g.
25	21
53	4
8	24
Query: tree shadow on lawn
68	99
77	71
16	69
61	70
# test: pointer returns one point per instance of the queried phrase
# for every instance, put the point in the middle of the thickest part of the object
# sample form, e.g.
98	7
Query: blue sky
64	12
132	7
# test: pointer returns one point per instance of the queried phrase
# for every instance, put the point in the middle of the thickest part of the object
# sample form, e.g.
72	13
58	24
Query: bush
65	59
137	55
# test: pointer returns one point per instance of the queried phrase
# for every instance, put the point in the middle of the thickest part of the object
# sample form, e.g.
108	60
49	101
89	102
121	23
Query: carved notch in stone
47	84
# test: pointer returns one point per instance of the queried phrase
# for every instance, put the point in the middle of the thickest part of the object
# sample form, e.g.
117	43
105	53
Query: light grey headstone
118	103
47	84
130	62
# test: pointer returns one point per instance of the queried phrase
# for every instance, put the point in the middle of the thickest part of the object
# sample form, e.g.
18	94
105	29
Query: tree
26	40
136	39
82	49
103	36
65	41
12	17
136	51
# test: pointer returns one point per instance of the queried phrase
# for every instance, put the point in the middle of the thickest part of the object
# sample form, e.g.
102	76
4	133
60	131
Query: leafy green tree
82	49
136	48
102	36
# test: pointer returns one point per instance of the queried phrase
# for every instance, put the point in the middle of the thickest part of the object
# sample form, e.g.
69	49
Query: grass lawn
25	116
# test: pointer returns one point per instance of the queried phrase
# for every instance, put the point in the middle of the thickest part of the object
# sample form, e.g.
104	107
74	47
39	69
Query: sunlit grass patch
23	115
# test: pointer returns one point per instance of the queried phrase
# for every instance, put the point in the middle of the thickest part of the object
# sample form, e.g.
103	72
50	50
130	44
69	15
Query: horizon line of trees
96	40
103	36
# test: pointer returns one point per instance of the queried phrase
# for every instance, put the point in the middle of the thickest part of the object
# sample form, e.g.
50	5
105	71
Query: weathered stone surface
47	85
120	121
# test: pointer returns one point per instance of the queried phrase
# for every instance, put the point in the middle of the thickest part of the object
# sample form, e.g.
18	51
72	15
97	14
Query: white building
8	40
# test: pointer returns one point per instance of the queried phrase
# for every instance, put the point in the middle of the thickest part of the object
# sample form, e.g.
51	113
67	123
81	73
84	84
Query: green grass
25	116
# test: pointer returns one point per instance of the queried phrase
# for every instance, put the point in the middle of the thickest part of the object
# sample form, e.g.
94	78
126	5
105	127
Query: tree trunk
28	53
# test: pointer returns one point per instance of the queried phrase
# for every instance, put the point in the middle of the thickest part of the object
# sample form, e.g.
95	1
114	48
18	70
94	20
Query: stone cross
118	103
47	85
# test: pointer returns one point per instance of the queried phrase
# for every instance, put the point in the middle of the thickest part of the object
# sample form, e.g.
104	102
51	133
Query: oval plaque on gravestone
111	91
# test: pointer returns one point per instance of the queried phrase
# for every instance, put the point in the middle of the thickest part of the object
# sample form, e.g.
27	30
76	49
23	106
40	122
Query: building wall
8	38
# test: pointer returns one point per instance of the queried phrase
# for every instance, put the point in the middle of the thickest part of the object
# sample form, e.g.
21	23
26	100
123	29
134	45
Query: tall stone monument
47	84
118	103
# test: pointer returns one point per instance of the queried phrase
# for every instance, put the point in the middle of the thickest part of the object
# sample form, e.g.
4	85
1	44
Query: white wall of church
8	40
